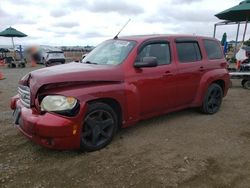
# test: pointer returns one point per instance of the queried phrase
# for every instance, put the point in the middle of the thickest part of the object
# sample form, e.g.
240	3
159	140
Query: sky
89	22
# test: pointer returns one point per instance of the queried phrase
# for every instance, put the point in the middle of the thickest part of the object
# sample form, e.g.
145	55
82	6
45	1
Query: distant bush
247	43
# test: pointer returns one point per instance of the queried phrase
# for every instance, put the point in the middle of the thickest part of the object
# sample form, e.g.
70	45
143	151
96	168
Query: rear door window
213	49
188	52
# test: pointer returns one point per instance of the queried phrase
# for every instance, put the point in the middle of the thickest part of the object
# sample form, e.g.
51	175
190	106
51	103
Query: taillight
224	65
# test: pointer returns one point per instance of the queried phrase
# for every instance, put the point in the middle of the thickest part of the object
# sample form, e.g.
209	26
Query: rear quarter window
213	49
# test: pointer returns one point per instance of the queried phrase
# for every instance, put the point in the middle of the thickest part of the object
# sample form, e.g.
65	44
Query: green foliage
247	43
224	39
233	60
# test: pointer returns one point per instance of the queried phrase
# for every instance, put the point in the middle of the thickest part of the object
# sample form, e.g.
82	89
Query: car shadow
161	118
122	133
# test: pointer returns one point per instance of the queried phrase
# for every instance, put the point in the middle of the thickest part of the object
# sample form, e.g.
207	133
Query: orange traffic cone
33	63
1	76
2	62
238	64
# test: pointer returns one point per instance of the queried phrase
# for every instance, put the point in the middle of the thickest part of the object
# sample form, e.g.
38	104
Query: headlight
53	103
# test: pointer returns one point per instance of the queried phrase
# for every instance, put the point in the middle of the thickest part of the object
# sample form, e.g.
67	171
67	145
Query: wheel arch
217	76
113	103
221	83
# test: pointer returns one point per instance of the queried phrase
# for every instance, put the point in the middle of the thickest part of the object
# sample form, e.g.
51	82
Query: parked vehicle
9	60
243	76
46	55
122	81
54	57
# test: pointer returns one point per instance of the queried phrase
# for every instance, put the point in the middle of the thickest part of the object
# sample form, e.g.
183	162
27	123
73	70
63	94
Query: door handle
167	73
202	69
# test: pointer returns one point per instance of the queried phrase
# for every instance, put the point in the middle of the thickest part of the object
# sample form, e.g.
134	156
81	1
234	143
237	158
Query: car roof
140	38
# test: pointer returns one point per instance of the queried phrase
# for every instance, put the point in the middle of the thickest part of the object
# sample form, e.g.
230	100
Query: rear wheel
100	125
212	100
246	84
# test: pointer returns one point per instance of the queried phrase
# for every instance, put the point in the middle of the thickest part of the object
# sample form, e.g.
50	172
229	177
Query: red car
122	81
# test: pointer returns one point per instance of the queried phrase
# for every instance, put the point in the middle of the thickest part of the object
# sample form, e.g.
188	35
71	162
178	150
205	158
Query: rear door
190	69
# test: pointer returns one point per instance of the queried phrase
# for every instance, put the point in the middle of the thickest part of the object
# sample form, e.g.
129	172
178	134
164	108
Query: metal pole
236	40
245	30
13	49
13	43
215	25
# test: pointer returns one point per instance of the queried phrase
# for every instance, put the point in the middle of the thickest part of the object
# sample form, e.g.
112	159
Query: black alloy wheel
99	127
212	100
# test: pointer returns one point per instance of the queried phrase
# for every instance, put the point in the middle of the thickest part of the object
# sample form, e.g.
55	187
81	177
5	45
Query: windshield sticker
122	43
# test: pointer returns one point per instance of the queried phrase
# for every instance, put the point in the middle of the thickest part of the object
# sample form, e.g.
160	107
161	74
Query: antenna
116	37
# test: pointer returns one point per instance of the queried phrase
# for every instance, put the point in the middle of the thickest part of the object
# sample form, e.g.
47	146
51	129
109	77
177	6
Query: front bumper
50	130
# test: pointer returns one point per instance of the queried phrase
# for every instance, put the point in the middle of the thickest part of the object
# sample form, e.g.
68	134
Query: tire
243	82
43	61
99	127
212	100
246	84
12	65
21	65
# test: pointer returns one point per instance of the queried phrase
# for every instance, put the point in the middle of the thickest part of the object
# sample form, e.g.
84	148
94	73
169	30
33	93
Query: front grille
24	93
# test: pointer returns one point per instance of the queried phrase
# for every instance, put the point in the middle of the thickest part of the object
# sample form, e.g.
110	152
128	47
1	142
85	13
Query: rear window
213	49
188	52
55	55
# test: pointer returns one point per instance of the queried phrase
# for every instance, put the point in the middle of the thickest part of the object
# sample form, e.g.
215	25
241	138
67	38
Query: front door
156	85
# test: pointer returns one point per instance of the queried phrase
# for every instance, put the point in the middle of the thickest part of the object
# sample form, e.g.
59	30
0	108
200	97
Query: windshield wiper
89	62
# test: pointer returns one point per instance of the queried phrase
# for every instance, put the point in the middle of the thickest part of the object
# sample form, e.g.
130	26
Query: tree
247	43
224	39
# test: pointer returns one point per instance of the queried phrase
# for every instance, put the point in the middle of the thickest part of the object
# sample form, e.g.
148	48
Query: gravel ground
181	149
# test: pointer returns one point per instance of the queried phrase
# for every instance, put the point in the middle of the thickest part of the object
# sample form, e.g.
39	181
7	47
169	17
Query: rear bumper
55	61
50	130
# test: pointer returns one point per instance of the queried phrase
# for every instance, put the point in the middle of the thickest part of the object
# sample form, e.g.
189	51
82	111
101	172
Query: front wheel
212	100
100	125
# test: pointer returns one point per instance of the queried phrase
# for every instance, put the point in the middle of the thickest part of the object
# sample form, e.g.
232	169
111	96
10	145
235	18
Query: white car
54	57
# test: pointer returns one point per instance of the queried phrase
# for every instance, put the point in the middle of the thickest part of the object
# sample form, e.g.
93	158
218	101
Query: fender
207	79
132	104
90	91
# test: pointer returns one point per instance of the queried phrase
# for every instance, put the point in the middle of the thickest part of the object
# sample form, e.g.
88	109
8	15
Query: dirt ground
181	149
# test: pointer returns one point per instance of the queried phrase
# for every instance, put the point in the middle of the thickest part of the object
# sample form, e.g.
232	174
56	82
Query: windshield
111	52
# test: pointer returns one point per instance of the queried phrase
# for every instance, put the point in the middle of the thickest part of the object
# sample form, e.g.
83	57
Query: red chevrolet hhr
123	80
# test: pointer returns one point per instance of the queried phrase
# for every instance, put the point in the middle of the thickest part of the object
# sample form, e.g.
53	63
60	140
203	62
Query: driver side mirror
146	62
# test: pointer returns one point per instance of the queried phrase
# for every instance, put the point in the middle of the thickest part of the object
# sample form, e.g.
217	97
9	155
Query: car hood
70	73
